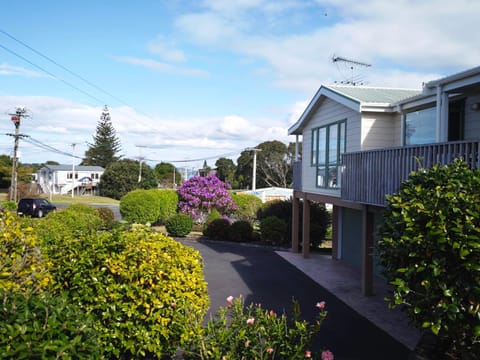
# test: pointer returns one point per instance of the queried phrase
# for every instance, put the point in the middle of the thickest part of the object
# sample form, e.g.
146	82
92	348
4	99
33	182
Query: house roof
357	98
77	168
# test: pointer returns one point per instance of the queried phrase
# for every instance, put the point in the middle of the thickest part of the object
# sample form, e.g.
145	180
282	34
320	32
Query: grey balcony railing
297	175
368	176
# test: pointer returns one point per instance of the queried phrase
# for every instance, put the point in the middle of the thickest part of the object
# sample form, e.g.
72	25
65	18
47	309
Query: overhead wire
97	99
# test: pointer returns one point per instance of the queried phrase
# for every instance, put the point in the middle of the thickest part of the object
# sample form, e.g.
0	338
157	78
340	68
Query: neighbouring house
62	179
359	143
270	193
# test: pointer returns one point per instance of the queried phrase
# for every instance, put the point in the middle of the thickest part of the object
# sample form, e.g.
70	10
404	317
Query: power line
65	68
52	75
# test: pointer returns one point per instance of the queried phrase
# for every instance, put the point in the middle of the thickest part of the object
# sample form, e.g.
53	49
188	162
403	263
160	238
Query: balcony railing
368	176
297	175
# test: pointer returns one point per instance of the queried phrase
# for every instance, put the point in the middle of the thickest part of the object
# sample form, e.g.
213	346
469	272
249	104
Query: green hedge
179	225
140	206
248	206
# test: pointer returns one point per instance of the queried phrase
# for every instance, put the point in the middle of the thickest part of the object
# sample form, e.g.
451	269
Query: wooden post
295	221
367	248
306	228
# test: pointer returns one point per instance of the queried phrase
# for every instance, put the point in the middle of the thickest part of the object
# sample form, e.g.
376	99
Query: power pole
140	159
16	119
254	177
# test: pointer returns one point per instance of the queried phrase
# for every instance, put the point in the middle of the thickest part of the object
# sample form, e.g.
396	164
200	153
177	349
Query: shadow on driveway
262	276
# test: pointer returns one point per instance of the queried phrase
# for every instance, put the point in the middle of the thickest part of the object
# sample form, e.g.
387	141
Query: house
270	193
61	179
359	143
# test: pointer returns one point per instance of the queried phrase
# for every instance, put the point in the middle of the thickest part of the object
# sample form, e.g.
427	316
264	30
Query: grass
67	199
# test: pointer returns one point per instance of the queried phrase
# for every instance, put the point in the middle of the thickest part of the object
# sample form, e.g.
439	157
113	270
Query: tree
429	248
165	175
274	165
105	147
225	170
122	176
205	170
199	195
5	171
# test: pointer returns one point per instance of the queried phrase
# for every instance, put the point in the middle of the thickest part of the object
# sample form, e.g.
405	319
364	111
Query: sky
190	81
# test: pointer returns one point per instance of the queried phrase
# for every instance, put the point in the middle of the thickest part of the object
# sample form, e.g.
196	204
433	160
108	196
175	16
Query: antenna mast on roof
350	66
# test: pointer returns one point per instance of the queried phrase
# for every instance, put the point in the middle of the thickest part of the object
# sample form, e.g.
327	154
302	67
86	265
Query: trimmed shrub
141	287
23	268
241	231
45	327
218	229
179	225
273	230
107	216
430	253
320	219
9	205
168	203
248	206
140	206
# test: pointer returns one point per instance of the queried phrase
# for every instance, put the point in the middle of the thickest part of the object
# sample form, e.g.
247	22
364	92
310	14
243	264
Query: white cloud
10	70
161	66
166	49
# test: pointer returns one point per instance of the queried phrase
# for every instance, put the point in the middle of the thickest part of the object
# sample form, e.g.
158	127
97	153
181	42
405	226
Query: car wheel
40	213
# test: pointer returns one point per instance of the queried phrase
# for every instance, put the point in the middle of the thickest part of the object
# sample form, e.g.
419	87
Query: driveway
262	276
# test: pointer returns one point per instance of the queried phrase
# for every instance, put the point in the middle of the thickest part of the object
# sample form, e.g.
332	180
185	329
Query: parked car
35	207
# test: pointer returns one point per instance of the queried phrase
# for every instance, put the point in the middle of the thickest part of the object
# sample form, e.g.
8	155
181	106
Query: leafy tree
429	248
274	165
122	176
105	146
225	170
199	195
164	172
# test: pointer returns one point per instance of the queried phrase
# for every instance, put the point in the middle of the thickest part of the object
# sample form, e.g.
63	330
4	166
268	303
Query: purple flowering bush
199	195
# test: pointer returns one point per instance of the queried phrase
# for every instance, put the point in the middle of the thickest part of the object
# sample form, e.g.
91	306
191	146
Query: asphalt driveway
262	276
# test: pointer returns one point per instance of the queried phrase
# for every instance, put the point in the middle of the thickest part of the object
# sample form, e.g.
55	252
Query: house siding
380	131
329	112
472	119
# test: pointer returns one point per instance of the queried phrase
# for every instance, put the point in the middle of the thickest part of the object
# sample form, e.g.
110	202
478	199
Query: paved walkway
273	278
343	281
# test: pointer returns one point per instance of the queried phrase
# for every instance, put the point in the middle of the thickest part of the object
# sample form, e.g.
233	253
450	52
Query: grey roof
77	168
364	94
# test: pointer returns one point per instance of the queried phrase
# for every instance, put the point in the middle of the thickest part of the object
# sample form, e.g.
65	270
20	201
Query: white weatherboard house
359	143
61	179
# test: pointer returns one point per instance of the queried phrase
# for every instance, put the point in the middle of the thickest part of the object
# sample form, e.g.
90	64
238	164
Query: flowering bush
251	332
200	195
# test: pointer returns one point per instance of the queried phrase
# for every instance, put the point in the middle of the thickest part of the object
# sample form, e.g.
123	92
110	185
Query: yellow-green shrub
22	266
140	286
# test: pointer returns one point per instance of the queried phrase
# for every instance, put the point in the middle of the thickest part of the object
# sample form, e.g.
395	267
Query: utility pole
140	159
73	170
16	119
254	177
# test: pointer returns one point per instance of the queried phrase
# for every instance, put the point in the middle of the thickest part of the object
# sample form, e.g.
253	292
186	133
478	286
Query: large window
420	127
328	147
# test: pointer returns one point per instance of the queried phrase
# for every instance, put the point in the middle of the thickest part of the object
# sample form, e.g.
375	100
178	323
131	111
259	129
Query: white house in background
270	193
61	179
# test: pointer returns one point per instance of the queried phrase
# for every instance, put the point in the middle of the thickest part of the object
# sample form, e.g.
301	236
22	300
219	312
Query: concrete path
262	276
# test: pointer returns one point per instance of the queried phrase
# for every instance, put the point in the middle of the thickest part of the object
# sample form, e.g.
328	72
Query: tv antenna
350	70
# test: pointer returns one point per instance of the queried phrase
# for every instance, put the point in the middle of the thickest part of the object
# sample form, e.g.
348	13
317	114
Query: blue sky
188	80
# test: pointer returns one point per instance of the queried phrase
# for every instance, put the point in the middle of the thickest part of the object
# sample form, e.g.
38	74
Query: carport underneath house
349	219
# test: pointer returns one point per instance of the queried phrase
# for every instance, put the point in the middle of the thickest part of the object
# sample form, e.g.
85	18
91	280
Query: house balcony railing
297	175
368	176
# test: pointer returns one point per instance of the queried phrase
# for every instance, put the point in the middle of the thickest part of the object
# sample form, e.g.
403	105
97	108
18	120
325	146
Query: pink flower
308	354
174	304
321	305
327	355
250	321
272	313
230	300
224	358
269	350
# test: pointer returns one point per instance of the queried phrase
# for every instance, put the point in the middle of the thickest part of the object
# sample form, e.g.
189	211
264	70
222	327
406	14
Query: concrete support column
295	223
367	249
306	228
335	232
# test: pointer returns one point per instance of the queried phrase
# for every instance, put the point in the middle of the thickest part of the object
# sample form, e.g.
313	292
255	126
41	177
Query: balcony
369	175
